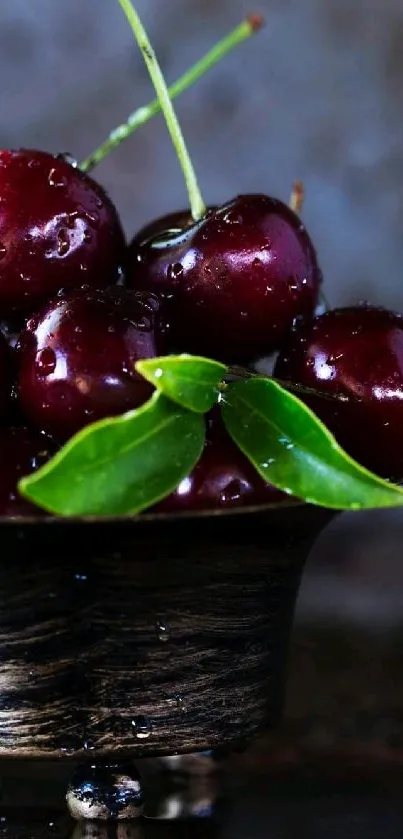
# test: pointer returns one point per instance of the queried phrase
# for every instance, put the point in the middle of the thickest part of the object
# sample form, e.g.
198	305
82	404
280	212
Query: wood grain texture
153	636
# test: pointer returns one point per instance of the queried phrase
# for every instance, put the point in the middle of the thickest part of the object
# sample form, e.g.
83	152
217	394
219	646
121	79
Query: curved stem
197	205
239	372
296	204
142	115
297	197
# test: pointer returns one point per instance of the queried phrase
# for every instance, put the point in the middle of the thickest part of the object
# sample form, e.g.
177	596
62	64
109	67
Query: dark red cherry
58	229
77	357
222	479
356	352
234	282
22	451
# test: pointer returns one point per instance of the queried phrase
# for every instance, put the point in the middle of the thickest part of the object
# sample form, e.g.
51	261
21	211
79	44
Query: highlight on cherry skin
76	358
64	233
233	282
356	352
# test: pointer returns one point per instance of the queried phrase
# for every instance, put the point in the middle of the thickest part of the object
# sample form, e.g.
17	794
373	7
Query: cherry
77	357
356	352
58	229
22	451
233	282
223	478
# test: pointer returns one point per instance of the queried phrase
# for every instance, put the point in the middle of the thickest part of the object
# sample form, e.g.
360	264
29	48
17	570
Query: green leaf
122	465
190	381
291	449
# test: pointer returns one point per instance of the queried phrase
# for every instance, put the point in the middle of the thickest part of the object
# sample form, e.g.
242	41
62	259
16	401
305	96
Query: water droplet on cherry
45	362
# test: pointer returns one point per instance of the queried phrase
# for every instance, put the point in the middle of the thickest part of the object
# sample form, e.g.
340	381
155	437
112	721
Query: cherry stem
297	197
142	115
197	205
239	372
296	204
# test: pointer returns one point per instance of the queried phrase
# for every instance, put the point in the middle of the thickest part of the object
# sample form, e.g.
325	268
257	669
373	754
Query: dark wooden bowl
147	636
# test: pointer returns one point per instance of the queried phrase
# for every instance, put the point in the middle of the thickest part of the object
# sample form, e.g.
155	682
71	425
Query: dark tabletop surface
307	801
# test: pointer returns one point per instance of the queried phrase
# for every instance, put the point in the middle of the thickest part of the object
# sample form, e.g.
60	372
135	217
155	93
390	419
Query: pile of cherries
79	306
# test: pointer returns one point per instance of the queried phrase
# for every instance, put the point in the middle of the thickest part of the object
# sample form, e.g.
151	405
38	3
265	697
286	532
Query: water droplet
70	745
3	250
88	745
45	362
56	179
141	727
70	220
68	158
39	459
268	462
106	792
232	217
91	217
232	492
63	242
292	285
163	631
111	328
175	271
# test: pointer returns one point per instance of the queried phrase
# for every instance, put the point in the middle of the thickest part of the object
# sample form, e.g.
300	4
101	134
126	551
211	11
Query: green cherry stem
142	115
197	205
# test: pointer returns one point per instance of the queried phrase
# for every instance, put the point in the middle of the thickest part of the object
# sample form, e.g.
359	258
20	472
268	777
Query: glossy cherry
58	229
77	357
234	282
356	352
22	451
222	479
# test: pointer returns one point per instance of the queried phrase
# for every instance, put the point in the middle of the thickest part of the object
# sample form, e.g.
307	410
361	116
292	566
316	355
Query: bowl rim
142	519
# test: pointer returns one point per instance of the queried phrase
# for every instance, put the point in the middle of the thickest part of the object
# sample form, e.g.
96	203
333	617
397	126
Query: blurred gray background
318	95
